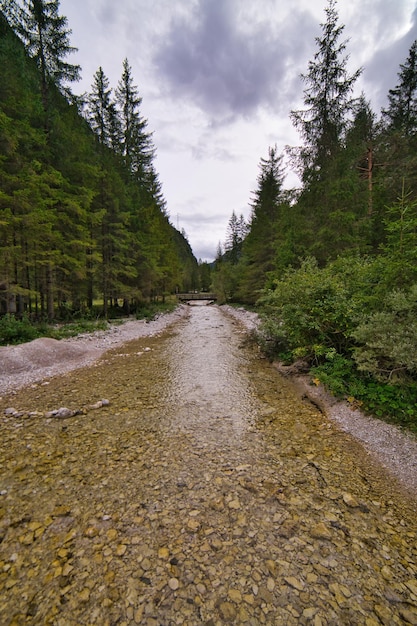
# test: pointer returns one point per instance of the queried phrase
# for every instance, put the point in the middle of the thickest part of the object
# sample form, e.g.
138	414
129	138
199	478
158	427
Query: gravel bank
43	358
391	446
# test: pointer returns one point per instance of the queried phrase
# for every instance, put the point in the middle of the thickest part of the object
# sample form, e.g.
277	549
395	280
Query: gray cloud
108	14
205	231
381	71
207	252
203	150
199	219
227	68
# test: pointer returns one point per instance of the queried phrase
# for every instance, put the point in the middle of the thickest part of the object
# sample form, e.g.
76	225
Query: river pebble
175	504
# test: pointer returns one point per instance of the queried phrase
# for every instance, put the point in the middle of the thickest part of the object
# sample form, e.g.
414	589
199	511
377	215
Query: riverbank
32	362
27	364
394	448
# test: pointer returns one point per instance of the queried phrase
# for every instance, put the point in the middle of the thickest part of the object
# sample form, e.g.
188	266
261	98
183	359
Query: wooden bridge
196	295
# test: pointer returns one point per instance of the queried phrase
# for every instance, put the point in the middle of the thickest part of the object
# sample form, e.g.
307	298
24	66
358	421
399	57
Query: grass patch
14	331
151	310
72	329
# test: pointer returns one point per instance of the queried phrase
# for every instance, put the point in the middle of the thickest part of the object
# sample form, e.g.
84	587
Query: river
205	492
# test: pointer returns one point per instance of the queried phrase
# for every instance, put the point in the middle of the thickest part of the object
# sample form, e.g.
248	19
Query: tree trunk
370	182
50	292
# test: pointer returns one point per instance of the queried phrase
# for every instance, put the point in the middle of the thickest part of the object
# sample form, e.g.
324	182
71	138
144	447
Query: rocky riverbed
155	508
43	358
392	446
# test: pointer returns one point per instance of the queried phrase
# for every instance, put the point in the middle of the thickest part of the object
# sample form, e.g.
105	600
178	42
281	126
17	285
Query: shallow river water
205	492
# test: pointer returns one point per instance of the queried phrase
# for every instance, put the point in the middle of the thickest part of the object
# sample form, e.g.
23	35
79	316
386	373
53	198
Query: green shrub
14	331
150	310
337	375
312	306
358	334
398	403
388	339
394	403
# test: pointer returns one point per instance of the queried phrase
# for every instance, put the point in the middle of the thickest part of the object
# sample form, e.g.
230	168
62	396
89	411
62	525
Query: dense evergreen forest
333	265
82	215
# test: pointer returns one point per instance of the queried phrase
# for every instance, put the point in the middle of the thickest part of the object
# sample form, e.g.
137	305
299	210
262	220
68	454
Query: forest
332	266
82	216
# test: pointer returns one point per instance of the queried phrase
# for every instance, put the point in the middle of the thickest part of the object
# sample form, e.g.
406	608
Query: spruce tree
357	163
268	194
401	114
108	219
399	140
71	219
259	247
327	98
47	39
137	147
236	232
322	212
101	109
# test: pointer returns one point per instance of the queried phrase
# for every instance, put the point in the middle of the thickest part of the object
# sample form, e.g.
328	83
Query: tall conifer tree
328	100
101	108
323	123
137	147
259	246
236	233
47	39
401	113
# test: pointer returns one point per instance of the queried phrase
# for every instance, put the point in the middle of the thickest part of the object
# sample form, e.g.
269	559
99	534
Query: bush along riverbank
353	330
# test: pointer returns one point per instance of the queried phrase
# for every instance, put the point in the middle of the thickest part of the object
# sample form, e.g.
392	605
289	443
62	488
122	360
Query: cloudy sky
218	80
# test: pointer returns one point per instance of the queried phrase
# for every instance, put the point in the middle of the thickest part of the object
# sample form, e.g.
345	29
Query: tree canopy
83	221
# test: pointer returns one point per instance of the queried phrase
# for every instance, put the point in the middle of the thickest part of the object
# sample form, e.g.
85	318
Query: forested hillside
333	265
83	221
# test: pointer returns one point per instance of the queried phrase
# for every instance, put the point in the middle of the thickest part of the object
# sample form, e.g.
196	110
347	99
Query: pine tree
114	129
322	213
151	189
101	111
357	164
268	195
204	271
73	224
137	147
400	249
236	232
399	137
46	37
327	98
260	245
109	230
401	114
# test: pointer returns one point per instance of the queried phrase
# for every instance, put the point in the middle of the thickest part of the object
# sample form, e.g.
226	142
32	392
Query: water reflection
209	385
